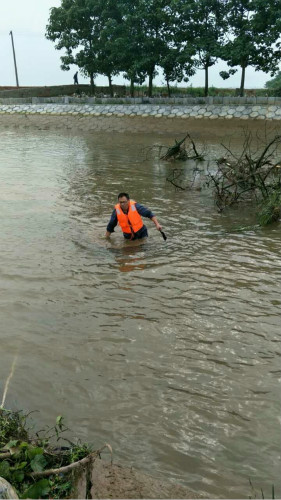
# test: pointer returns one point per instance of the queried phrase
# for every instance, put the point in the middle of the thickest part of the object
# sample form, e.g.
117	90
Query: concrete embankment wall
131	118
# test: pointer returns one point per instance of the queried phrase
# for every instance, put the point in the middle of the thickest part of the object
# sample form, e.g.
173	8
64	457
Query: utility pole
15	62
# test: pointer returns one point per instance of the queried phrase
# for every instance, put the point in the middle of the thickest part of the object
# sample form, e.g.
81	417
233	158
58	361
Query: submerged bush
270	208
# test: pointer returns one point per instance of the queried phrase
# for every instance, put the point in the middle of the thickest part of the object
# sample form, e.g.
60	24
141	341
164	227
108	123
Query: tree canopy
253	27
137	38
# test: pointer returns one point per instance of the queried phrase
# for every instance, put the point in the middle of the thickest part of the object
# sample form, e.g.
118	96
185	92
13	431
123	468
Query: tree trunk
110	85
150	82
242	80
206	68
206	90
132	88
168	87
92	83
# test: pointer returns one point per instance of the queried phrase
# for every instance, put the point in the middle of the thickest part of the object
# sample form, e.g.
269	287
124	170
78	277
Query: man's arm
146	212
112	224
158	226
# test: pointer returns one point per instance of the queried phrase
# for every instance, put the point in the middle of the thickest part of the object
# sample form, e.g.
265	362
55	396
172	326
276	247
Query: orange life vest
130	222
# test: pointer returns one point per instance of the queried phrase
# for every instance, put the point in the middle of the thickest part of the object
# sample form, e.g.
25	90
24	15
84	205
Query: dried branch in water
175	150
252	175
180	152
178	179
197	156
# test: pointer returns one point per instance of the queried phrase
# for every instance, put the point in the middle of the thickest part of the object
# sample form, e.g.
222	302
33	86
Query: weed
23	458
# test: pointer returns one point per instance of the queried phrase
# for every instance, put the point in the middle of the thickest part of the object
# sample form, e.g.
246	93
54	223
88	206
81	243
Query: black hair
123	194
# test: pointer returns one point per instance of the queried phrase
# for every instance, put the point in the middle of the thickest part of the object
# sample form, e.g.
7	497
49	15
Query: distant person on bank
75	78
128	214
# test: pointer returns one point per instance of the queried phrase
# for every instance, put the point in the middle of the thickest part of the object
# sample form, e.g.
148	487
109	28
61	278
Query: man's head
123	199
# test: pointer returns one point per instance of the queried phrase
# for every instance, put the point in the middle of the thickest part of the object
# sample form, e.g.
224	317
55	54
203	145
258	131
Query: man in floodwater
128	214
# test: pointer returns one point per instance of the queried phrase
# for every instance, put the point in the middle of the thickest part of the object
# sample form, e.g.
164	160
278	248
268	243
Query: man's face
124	203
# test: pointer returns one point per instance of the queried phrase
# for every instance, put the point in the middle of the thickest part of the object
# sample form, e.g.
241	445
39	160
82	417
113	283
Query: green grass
270	208
191	91
22	455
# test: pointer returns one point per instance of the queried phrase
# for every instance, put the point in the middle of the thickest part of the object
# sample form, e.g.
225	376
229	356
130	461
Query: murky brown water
170	351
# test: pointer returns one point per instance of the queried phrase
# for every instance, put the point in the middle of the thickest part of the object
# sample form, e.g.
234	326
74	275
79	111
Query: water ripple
169	350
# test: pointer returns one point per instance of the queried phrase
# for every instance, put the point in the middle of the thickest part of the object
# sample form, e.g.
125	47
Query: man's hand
107	234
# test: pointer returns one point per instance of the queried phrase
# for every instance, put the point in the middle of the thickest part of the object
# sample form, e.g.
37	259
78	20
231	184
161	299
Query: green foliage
12	425
136	38
60	488
254	29
38	463
202	28
38	490
270	208
5	469
226	74
275	83
191	91
24	455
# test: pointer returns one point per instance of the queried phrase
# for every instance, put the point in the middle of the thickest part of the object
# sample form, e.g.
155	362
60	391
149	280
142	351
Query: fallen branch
74	465
174	150
277	140
197	156
174	176
176	185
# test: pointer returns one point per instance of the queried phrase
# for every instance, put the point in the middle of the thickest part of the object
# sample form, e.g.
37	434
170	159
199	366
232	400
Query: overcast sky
39	63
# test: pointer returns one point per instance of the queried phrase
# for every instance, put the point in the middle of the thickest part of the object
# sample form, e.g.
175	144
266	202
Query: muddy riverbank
115	481
132	117
204	128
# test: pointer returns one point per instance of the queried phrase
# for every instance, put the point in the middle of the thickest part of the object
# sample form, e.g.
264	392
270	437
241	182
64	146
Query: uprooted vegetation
182	150
250	176
38	467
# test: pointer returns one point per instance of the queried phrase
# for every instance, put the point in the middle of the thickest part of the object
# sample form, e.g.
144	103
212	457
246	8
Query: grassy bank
43	464
199	92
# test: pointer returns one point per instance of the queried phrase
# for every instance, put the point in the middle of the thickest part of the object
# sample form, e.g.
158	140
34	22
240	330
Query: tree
202	28
147	41
110	26
71	26
107	36
254	28
85	29
129	44
153	23
175	66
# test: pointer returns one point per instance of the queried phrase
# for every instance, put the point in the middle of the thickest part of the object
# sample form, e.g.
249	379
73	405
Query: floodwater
169	351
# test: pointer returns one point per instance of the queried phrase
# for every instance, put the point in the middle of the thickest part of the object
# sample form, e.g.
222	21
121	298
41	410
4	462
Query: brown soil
113	481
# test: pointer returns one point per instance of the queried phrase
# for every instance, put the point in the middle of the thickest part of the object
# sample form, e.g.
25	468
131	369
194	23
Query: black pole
15	62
